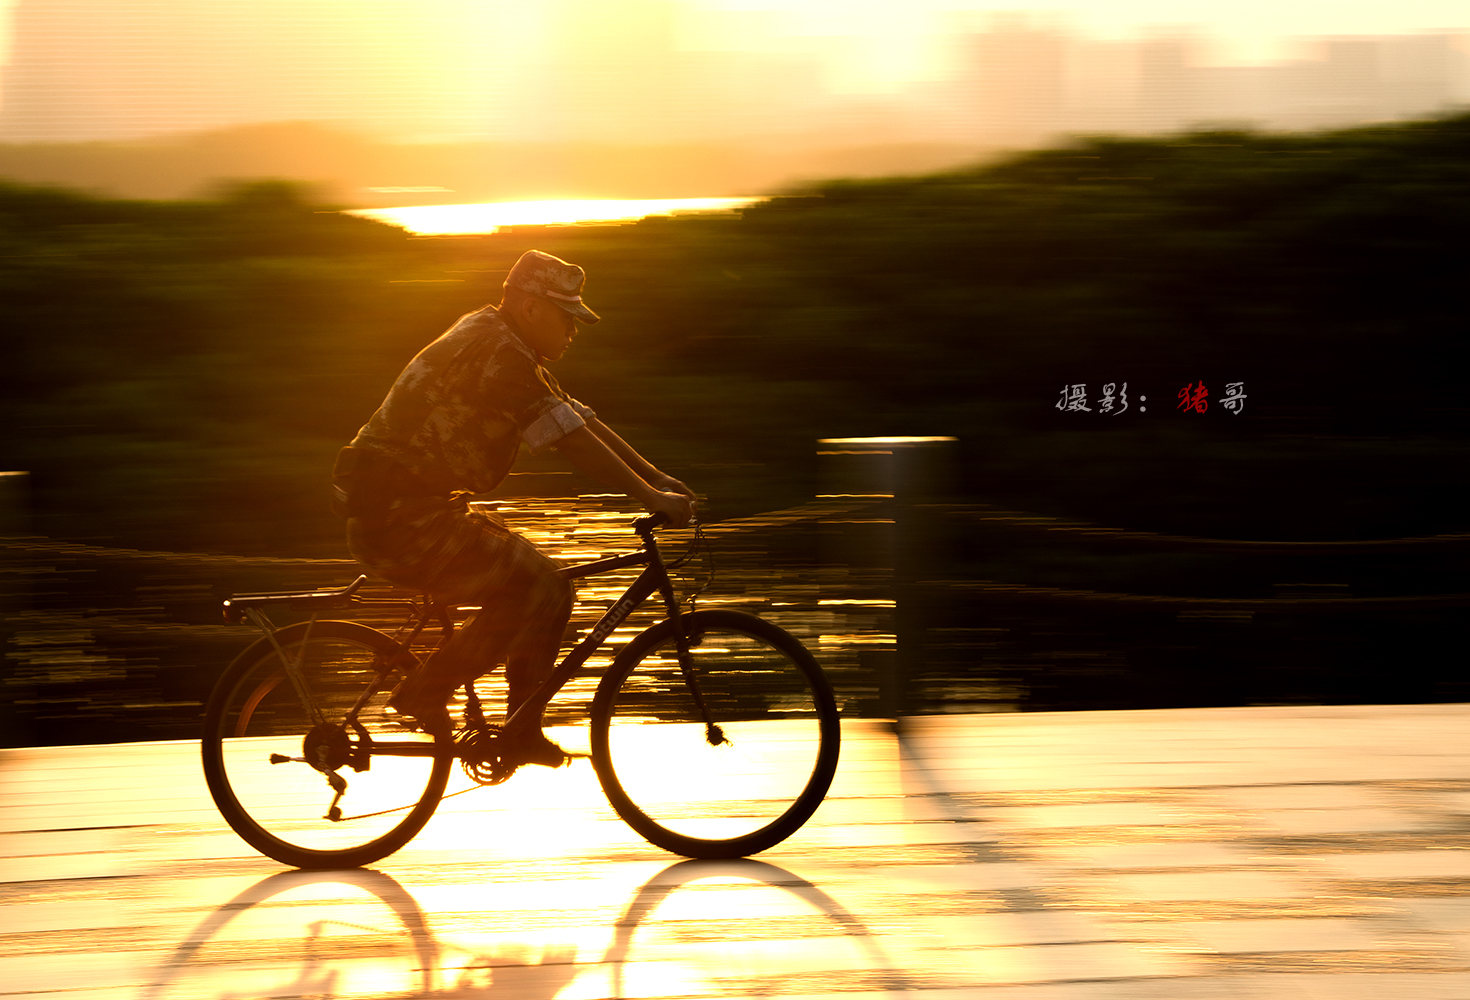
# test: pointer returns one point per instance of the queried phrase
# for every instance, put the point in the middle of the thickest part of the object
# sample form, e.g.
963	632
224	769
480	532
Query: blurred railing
912	604
105	644
1029	612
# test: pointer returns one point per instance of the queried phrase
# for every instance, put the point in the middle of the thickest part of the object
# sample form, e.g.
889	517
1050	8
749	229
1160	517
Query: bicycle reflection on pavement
357	932
271	930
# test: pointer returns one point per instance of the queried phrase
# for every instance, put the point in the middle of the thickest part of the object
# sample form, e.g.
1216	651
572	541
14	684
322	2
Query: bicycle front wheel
273	750
727	760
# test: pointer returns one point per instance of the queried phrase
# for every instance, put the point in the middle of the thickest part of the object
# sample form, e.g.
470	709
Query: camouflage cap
553	278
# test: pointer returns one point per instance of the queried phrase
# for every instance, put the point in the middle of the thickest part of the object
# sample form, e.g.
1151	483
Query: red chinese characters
1194	397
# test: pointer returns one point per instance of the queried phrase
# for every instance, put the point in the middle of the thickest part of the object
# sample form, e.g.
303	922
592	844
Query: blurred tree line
179	375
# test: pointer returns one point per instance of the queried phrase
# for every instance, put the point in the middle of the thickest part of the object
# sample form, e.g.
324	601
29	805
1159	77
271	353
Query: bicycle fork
714	735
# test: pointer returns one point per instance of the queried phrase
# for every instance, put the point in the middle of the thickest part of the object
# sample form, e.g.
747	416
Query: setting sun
456	220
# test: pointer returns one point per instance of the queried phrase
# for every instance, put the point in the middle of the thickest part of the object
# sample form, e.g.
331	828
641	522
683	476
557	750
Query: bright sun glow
463	220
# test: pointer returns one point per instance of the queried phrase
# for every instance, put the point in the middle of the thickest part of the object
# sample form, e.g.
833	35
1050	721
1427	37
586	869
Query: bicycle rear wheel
736	788
260	731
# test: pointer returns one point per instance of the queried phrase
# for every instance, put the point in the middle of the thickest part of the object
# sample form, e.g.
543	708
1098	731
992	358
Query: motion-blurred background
1191	274
466	100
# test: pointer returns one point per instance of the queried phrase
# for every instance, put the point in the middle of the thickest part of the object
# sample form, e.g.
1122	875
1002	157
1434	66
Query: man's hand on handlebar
677	507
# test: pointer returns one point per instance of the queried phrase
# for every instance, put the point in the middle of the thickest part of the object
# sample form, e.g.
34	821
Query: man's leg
471	559
531	660
474	650
522	621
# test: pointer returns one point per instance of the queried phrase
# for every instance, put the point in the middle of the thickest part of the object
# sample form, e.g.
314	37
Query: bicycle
714	733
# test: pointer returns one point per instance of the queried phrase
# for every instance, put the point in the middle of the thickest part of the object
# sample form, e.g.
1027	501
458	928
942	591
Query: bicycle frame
655	577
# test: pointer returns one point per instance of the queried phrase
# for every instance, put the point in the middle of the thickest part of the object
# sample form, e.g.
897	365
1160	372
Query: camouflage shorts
470	558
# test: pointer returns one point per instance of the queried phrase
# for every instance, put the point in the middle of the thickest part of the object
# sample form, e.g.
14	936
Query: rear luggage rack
236	605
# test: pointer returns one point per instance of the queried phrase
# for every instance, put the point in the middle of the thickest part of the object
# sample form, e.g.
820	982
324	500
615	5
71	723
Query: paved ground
1241	853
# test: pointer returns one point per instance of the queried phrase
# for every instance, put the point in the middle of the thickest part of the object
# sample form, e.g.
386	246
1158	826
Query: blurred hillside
180	374
354	170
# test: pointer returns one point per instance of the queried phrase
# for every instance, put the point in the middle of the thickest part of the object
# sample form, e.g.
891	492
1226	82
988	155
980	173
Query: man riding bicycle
451	426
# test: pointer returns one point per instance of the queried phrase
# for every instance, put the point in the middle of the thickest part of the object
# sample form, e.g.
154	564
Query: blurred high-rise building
1019	80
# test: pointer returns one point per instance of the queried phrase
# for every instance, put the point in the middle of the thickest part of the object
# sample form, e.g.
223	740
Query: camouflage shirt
458	413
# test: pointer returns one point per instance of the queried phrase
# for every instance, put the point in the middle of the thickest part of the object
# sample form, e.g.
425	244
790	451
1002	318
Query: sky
882	44
766	75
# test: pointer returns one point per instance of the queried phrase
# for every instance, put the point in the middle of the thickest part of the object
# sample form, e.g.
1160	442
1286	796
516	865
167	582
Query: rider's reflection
361	933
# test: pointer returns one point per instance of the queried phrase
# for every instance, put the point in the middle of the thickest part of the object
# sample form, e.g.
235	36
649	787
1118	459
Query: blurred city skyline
946	79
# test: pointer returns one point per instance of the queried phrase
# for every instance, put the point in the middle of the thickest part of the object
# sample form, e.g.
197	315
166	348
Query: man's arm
641	466
590	453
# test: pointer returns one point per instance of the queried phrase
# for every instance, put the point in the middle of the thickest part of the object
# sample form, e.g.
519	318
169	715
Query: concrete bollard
15	521
899	542
15	503
15	517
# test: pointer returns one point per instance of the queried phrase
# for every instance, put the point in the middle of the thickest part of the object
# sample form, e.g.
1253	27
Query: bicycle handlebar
645	524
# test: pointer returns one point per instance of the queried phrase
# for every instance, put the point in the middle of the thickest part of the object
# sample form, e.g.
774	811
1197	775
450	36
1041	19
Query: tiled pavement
1240	853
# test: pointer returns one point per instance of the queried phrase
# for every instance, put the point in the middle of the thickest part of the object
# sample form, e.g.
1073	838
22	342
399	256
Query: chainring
480	756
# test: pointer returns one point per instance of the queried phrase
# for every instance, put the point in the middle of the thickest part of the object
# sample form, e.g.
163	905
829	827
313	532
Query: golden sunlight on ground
461	220
1188	854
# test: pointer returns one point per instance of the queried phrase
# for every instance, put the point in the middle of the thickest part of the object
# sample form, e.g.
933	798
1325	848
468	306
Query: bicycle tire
658	766
277	807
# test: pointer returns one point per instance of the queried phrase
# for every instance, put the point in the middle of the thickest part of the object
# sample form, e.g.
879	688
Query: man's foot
533	748
423	704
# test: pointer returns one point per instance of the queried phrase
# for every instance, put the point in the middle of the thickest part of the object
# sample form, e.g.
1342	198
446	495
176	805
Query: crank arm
338	783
